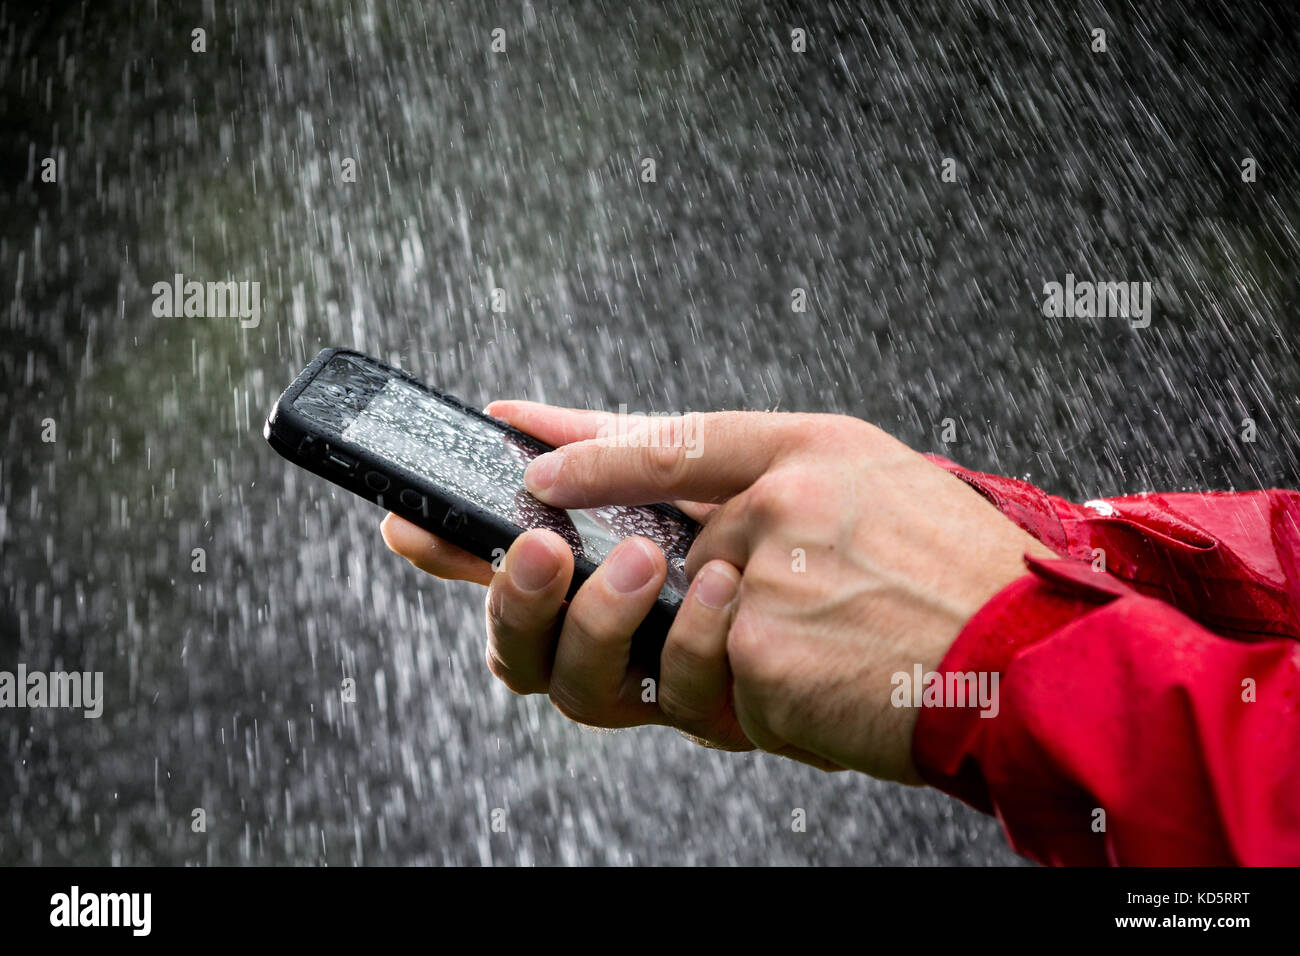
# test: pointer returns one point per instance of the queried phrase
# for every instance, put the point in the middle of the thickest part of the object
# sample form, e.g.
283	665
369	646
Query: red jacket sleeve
1148	708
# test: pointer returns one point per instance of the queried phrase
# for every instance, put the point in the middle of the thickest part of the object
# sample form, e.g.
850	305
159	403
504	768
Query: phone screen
478	462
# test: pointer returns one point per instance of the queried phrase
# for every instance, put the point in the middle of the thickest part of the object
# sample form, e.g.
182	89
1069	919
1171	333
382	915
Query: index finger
654	461
557	425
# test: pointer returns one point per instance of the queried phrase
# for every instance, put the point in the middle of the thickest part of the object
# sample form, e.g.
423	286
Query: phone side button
341	461
412	500
376	481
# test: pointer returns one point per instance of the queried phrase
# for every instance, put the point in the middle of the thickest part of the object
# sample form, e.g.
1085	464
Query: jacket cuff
1031	608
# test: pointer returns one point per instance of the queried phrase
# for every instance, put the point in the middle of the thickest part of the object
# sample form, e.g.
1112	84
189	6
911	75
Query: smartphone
457	473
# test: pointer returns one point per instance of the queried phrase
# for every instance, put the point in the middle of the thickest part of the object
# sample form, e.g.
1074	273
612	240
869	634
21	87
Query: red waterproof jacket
1149	682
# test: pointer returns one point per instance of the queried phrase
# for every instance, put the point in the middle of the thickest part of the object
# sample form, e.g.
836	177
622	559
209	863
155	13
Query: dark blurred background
521	170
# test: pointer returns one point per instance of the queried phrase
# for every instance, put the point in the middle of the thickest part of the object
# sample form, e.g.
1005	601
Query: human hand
832	557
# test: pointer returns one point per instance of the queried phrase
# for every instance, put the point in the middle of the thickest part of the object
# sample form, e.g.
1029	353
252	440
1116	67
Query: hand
832	557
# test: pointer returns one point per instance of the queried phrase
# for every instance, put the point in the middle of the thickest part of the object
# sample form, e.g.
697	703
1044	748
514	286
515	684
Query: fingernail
716	587
535	566
630	567
540	474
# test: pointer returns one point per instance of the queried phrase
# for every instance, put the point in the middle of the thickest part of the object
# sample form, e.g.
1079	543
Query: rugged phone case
415	498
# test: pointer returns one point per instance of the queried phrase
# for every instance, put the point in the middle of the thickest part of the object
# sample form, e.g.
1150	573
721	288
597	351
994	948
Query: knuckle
769	572
492	609
770	497
582	467
664	465
579	632
575	705
688	434
681	708
753	657
682	656
499	618
501	671
836	431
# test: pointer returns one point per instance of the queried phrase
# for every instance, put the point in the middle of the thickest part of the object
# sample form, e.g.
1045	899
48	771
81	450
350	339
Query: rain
664	206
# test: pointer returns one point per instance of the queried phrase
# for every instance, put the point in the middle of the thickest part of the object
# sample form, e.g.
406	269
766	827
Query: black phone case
450	517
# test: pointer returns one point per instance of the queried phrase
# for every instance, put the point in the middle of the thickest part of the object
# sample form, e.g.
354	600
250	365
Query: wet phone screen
477	460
